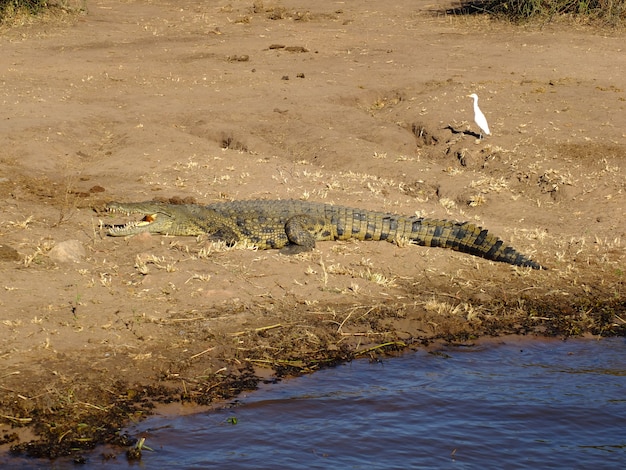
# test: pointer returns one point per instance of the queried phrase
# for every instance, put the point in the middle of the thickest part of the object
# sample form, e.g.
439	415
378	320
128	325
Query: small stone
297	49
68	251
8	253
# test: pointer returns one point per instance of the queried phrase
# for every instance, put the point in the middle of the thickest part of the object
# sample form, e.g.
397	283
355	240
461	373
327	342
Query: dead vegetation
604	12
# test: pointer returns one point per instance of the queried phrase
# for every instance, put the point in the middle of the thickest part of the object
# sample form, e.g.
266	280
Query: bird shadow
455	131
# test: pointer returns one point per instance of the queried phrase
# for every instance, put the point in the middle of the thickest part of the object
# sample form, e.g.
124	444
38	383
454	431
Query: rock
8	253
68	251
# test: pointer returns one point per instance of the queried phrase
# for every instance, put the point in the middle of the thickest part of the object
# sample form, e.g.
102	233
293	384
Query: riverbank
351	105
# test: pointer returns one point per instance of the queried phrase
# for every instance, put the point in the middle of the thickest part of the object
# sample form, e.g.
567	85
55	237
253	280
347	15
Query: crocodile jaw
152	222
132	228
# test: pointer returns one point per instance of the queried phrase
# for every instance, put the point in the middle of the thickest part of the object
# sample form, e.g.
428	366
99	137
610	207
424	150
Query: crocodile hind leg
302	231
225	234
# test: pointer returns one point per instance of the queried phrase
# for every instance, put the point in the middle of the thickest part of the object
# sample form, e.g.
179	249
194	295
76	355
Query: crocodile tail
466	238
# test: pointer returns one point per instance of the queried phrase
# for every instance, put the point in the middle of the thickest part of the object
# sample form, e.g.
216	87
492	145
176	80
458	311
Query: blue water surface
511	404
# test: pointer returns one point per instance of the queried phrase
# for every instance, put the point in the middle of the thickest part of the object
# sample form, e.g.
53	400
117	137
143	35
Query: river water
507	404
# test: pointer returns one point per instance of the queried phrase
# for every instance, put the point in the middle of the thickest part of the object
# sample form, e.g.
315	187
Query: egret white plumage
479	117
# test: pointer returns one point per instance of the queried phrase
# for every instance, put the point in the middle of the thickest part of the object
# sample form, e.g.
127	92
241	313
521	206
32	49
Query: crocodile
294	226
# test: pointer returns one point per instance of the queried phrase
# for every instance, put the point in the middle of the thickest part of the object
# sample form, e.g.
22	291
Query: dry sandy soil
352	103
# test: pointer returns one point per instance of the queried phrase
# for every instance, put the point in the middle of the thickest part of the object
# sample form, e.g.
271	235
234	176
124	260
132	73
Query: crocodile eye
149	218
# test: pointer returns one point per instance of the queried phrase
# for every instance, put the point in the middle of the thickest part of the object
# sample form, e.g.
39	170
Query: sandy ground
353	103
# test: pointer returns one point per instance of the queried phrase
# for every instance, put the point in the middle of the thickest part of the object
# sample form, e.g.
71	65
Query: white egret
479	117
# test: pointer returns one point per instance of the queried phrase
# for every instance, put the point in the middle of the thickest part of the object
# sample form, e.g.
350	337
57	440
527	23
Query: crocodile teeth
141	223
118	211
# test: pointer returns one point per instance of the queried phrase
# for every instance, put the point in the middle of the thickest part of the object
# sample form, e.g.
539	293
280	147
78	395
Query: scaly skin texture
295	226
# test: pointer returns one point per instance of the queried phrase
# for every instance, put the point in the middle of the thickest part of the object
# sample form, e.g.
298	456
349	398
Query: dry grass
23	12
606	12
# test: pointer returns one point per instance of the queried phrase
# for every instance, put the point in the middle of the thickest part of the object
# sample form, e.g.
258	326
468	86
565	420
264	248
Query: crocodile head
157	217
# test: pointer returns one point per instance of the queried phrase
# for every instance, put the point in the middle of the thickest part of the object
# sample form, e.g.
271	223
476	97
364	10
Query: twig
258	330
175	320
384	345
363	333
17	420
282	362
97	407
10	373
201	353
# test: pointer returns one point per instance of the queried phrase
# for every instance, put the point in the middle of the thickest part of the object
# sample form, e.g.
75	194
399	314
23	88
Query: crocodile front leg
302	231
